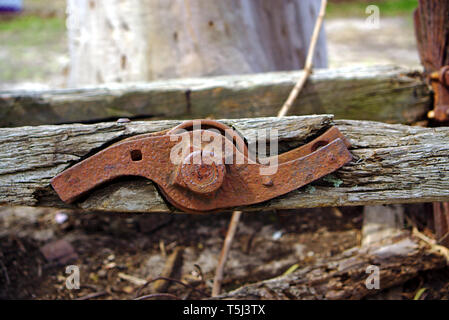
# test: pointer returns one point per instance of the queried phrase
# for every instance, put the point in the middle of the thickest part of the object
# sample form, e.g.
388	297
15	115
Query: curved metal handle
192	187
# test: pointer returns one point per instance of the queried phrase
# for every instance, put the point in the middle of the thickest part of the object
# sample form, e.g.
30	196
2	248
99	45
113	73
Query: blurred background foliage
34	51
356	8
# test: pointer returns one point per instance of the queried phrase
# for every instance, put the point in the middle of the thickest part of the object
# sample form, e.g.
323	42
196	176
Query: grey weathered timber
384	93
392	164
346	275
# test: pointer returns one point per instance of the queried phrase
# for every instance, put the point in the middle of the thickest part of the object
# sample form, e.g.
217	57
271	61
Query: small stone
59	250
61	217
123	120
277	235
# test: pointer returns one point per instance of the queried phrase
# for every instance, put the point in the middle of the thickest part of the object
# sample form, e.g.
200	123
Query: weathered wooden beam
349	275
387	94
392	164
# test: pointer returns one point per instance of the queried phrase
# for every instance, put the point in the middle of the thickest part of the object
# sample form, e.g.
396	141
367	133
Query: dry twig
172	280
285	108
308	65
172	264
93	295
435	247
432	243
132	279
224	252
158	295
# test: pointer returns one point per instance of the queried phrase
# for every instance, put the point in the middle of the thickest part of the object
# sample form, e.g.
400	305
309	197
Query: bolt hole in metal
136	155
194	185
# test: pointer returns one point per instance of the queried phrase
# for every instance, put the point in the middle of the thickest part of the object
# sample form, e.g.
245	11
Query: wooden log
387	94
347	275
392	164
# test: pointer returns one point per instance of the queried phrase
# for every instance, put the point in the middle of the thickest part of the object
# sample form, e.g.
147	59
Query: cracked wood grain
379	93
345	275
392	164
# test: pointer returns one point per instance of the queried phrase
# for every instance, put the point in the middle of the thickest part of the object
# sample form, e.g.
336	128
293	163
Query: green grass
357	9
30	29
24	22
29	44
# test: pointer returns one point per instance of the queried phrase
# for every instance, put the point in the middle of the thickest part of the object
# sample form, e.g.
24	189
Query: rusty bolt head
201	174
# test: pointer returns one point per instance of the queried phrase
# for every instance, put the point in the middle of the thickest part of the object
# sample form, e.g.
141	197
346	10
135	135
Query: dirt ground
116	254
266	245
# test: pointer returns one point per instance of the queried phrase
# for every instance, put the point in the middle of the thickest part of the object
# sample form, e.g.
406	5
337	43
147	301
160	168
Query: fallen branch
158	295
171	280
172	264
232	228
308	65
132	279
93	295
433	245
345	275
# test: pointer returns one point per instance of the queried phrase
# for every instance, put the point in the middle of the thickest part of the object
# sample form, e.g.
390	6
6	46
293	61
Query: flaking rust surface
209	184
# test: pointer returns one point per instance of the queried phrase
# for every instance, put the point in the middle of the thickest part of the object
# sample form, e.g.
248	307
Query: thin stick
173	280
158	295
225	252
283	111
435	247
308	65
93	295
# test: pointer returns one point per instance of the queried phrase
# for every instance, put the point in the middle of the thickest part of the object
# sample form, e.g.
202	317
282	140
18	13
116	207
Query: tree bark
134	40
432	33
346	275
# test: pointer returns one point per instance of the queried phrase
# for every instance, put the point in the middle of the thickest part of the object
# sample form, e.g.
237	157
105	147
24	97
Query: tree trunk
432	34
134	40
347	93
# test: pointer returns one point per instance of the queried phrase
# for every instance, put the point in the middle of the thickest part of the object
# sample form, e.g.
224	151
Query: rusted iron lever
209	182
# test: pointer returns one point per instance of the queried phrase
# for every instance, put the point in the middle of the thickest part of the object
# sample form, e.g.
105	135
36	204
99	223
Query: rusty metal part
213	181
432	34
440	86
